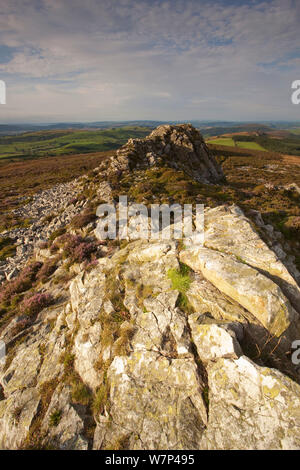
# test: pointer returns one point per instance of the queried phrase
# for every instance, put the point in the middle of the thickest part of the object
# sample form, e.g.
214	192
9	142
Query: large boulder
181	146
252	290
250	407
228	230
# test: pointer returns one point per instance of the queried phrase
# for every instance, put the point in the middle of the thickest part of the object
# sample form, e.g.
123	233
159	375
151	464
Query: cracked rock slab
253	291
251	407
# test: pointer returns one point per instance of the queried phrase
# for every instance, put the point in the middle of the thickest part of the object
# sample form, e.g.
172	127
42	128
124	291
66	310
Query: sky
97	60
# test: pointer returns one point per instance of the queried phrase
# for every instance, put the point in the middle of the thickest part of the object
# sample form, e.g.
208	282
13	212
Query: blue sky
136	59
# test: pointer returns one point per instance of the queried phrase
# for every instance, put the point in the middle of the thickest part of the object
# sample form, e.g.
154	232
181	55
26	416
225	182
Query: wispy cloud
161	59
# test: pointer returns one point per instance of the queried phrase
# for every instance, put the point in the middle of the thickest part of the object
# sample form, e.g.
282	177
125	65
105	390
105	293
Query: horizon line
49	123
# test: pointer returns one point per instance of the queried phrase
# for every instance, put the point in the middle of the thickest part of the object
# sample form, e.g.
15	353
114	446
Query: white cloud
169	59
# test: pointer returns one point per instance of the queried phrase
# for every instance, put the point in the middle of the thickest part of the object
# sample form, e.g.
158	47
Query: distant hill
52	142
208	128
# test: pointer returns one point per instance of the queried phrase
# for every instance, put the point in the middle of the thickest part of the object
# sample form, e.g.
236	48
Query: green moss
55	418
180	278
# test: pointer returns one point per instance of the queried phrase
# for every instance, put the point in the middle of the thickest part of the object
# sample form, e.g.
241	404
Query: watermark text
157	222
2	92
296	94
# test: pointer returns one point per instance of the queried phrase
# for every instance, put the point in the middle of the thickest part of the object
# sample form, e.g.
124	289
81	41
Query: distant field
227	141
66	142
60	142
250	145
279	141
230	142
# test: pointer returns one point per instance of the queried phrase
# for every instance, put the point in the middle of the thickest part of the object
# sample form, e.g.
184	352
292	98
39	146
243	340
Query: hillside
280	141
155	344
64	142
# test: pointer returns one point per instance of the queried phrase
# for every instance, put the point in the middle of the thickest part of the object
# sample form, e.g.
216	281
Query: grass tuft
81	393
55	418
180	278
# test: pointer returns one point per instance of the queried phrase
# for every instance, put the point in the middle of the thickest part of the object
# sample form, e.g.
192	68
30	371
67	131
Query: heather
83	219
75	248
48	268
33	304
23	282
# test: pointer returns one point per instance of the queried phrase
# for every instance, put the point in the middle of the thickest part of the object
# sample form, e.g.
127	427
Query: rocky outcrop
160	377
181	147
158	344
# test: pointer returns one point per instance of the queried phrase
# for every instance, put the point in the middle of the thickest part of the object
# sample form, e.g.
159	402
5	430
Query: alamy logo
296	353
2	92
159	222
2	352
296	93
